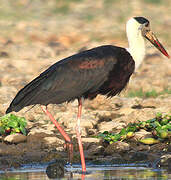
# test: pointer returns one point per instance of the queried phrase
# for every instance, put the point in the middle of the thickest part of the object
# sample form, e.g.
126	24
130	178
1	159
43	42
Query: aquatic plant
11	124
160	128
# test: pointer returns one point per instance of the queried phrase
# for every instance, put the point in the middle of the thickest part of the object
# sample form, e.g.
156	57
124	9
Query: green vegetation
88	17
160	127
64	6
108	3
11	124
153	1
153	93
62	9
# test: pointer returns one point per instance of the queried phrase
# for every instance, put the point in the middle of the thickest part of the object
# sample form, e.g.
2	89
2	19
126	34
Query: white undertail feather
136	41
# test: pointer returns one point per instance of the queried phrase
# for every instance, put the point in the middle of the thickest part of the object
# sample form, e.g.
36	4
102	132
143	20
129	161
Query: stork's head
143	25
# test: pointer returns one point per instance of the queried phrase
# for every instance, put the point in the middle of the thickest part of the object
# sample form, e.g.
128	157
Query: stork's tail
20	102
29	95
10	109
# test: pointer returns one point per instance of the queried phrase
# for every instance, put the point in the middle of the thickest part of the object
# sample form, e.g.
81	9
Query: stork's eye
146	24
146	30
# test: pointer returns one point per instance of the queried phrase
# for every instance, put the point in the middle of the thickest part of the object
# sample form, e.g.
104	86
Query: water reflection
55	171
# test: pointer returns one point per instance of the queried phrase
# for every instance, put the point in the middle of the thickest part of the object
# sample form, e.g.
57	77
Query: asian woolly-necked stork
102	70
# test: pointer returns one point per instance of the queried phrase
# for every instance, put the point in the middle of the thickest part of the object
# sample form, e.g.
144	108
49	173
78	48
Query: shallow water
96	172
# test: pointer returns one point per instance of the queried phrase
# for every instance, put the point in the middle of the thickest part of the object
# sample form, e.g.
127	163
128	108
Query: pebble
165	160
15	138
142	134
117	147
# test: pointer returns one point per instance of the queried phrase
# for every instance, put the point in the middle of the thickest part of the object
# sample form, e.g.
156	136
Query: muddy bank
43	142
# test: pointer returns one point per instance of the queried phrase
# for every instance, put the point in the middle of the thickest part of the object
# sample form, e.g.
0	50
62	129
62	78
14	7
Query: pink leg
66	137
79	136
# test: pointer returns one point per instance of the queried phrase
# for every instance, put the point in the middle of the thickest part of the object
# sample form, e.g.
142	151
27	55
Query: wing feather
68	79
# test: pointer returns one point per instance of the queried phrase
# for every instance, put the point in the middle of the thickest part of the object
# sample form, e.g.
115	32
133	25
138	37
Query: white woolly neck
136	42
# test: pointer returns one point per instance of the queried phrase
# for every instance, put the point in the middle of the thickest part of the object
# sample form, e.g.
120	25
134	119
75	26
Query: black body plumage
102	70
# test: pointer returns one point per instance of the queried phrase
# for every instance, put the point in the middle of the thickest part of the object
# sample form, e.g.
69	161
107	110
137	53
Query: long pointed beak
153	39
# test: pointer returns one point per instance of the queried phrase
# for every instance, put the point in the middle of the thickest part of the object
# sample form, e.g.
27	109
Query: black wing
73	77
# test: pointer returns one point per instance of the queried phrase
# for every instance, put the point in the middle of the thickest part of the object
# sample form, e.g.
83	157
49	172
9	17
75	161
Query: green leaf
105	132
167	127
158	115
123	131
13	117
12	124
132	128
163	134
130	134
149	141
23	130
157	124
2	130
17	130
164	121
142	124
158	128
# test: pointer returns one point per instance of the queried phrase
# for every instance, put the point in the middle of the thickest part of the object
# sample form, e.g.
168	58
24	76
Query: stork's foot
69	147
